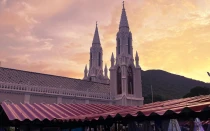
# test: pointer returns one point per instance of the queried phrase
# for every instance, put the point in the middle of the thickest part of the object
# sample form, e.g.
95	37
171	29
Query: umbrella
198	125
174	125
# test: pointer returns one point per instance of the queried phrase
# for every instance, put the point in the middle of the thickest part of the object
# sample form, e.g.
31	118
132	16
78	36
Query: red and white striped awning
89	112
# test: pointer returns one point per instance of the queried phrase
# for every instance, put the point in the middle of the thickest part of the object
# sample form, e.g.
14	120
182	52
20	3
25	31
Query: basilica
124	87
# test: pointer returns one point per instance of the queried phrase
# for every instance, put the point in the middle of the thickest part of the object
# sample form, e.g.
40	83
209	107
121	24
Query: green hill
167	85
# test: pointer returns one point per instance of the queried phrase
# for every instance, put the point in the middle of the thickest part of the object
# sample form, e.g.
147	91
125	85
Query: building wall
98	102
43	99
84	101
50	99
71	100
118	102
79	101
128	102
67	101
13	97
134	102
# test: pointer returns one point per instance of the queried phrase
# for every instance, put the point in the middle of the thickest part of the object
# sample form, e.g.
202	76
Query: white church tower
125	77
96	62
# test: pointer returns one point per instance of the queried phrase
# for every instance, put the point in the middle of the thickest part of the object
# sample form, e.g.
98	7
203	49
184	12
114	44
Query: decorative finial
137	60
112	57
96	23
137	54
112	60
123	4
86	68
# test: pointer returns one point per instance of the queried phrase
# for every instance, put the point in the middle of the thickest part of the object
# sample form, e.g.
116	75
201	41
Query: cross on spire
123	4
96	23
123	20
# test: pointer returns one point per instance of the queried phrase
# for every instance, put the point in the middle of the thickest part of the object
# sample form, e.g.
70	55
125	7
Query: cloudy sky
54	36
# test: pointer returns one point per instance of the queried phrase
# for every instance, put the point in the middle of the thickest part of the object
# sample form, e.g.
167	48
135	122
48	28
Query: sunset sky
54	36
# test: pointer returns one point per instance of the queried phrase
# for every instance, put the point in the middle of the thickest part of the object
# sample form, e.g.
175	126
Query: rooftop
15	76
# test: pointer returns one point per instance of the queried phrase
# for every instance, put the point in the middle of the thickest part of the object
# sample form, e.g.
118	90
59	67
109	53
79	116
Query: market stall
171	114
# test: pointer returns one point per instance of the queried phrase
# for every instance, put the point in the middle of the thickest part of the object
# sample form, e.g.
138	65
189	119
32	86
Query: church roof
8	75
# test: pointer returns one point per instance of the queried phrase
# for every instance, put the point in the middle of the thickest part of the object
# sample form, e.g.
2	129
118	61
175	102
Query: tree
198	90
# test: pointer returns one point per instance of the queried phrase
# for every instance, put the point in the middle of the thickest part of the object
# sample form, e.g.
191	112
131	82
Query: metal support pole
152	93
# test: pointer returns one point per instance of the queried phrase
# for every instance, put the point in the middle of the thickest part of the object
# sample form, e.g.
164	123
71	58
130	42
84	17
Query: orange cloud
81	58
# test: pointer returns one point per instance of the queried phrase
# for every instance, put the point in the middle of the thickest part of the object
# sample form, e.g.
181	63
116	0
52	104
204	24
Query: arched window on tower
119	81
99	59
129	45
118	45
130	80
90	59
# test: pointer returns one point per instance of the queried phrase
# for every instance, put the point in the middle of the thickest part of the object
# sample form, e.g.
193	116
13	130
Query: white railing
53	91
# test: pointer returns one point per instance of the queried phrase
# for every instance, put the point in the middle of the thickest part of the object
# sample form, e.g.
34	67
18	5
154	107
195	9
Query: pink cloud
47	36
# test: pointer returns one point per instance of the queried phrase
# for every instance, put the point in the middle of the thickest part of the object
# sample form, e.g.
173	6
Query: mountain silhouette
168	85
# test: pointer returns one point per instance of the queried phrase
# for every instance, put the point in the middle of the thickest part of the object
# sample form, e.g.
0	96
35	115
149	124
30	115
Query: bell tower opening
130	80
119	81
99	59
129	45
118	45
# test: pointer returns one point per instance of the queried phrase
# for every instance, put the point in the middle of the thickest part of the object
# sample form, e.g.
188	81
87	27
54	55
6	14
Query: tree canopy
198	90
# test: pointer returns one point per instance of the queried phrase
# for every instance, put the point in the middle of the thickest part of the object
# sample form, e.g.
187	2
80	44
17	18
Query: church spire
96	60
96	39
105	71
85	72
112	60
137	59
123	20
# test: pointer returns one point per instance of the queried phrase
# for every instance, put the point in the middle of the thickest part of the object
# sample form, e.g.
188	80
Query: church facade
123	88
